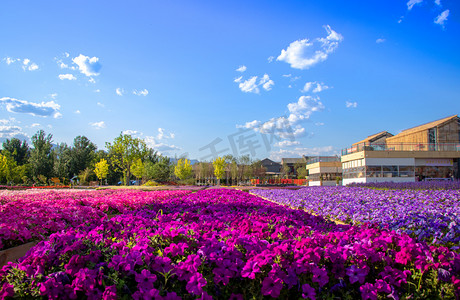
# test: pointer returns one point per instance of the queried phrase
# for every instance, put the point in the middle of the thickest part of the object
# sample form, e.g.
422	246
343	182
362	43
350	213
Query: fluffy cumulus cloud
252	85
158	142
303	108
241	69
287	143
119	91
9	130
315	87
437	2
143	92
89	66
300	151
303	54
350	104
43	109
67	76
27	64
412	3
379	41
97	125
442	18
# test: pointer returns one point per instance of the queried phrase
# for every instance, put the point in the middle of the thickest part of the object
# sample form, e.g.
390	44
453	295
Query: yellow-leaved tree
101	169
219	165
183	169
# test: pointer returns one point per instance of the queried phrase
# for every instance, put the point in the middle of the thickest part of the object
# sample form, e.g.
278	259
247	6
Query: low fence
279	181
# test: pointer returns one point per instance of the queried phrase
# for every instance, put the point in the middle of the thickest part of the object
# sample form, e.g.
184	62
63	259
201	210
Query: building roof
292	160
427	126
373	137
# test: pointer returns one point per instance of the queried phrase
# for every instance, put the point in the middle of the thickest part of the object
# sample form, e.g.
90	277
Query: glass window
406	171
374	171
390	171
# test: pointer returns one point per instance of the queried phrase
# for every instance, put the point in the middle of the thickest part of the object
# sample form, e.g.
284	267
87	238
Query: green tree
61	161
82	154
183	169
159	171
19	150
137	168
41	157
219	165
102	169
124	151
85	176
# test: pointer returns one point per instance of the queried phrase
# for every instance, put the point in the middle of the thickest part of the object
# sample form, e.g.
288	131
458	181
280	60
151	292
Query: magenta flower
196	284
51	288
320	276
110	293
368	291
272	286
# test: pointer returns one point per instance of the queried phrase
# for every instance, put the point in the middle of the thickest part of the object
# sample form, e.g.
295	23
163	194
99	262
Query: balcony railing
322	159
402	147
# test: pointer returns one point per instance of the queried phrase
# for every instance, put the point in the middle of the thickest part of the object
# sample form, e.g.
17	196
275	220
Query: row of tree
126	157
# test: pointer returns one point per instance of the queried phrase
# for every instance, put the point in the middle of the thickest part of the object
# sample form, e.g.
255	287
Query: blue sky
202	78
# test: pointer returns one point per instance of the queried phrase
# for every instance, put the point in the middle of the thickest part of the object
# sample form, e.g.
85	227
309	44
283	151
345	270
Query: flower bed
33	214
227	244
420	185
428	215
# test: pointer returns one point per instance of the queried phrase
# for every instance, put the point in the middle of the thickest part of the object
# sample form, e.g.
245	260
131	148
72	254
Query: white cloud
411	3
98	125
349	104
34	125
100	104
379	41
437	2
163	135
53	96
120	91
43	109
143	92
270	59
440	19
9	130
287	143
315	86
319	124
252	86
27	65
400	19
304	107
238	79
241	69
303	54
266	82
299	152
131	132
249	86
78	112
89	66
67	76
253	124
91	80
97	91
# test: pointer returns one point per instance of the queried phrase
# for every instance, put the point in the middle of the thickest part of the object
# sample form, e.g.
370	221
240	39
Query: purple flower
145	280
356	274
308	292
320	276
51	288
272	286
250	269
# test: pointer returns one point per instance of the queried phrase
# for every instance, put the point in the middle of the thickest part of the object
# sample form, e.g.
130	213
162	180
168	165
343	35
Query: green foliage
41	158
124	151
102	169
183	169
82	154
159	171
19	150
302	173
137	168
61	158
85	176
151	183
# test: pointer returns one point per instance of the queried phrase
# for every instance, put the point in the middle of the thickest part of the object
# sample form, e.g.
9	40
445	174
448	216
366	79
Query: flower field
35	214
427	215
225	244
